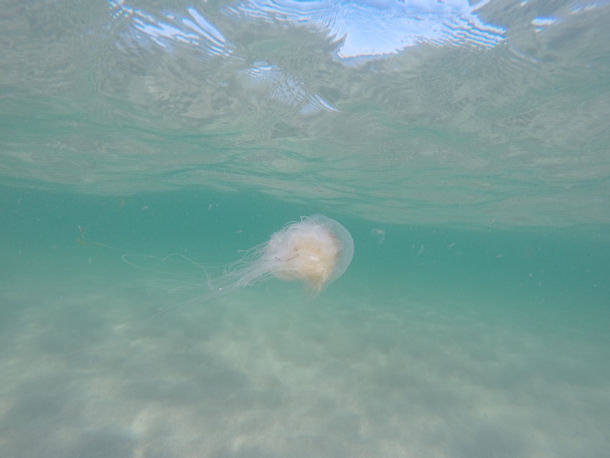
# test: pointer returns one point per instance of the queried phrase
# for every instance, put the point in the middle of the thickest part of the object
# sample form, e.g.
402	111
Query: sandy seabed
95	369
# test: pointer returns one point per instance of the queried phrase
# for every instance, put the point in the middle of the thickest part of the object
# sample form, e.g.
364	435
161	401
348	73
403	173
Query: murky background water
465	148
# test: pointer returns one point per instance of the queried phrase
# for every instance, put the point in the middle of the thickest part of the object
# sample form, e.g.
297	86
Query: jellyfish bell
316	251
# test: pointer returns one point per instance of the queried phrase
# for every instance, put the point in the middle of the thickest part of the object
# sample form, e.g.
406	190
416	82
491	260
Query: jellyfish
315	251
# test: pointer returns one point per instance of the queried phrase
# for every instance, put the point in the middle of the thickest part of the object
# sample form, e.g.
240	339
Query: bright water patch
365	29
194	29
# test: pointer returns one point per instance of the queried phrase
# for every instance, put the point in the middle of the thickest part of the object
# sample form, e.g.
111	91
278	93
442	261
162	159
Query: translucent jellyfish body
316	251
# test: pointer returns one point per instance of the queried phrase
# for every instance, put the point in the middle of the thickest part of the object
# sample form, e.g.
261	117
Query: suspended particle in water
379	235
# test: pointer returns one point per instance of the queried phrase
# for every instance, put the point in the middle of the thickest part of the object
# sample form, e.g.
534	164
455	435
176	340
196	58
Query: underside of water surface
149	150
491	113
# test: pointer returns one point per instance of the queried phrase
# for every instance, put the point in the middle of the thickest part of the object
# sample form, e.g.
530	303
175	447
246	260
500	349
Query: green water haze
436	341
145	146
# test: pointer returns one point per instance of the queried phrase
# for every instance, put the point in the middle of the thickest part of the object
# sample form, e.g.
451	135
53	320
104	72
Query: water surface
145	144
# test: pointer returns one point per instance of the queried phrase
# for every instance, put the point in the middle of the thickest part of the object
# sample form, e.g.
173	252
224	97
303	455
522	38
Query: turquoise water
488	343
144	146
